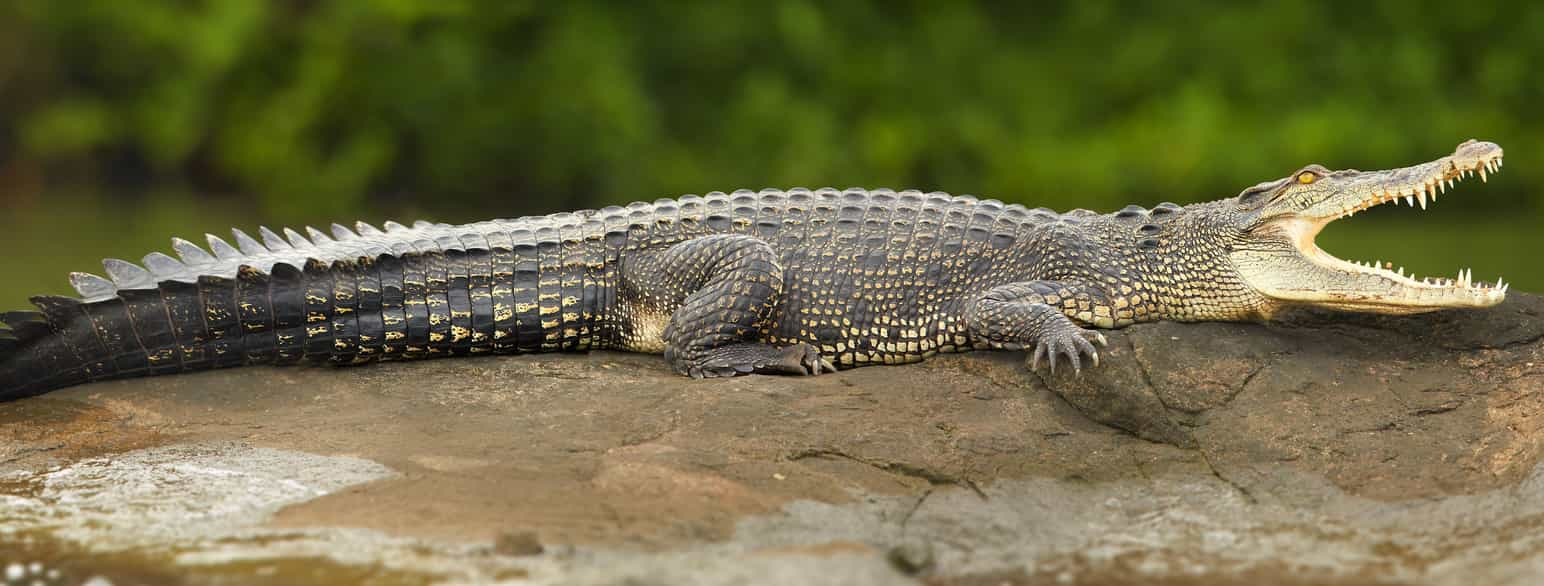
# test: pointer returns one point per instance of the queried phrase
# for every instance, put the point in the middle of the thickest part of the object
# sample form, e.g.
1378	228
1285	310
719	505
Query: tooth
1482	176
1450	183
1401	271
1410	200
1422	197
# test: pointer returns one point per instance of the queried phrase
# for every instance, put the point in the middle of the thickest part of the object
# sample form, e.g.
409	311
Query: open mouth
1414	186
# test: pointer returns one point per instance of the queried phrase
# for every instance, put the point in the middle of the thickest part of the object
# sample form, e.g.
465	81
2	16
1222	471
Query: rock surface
1325	449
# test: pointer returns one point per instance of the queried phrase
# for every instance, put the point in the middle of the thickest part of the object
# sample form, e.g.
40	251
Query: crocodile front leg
1034	315
718	293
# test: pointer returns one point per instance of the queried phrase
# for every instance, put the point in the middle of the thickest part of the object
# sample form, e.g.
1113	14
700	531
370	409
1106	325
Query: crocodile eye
1307	177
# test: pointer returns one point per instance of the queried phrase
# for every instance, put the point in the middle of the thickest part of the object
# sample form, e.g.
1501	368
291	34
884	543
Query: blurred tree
508	107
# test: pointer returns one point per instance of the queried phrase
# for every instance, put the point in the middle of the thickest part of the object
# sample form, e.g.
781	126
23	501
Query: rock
518	543
912	557
1324	448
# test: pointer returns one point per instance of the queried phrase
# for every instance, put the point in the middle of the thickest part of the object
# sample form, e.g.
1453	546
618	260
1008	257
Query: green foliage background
122	123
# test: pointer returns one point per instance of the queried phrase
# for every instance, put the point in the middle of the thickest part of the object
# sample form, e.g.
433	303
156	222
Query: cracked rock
1325	449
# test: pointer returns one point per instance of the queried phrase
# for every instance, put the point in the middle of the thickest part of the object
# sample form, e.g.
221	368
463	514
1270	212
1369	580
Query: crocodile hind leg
708	302
1033	315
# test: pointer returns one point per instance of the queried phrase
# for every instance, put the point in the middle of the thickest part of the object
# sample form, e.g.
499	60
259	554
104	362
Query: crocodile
798	281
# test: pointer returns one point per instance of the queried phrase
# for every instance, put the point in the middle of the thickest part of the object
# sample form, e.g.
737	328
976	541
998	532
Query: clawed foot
800	359
1071	342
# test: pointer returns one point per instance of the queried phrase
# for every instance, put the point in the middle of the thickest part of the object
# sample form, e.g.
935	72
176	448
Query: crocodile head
1276	256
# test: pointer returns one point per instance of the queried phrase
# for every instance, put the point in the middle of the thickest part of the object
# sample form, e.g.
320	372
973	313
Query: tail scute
26	326
92	287
67	317
33	359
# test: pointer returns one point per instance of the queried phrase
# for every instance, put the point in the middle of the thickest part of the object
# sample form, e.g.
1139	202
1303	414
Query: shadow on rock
1161	381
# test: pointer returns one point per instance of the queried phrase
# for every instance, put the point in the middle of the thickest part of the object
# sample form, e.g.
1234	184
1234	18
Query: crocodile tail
34	358
69	341
171	316
132	325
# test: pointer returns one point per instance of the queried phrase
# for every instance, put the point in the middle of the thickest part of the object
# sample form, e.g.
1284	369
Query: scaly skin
751	282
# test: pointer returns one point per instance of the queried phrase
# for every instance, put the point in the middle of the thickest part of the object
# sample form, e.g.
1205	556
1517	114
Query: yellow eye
1305	178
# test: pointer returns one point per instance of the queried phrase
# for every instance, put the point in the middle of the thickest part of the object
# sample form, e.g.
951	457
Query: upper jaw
1322	279
1358	190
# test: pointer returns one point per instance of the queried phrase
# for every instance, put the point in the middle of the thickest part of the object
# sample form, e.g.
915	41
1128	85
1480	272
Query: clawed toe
1072	345
809	359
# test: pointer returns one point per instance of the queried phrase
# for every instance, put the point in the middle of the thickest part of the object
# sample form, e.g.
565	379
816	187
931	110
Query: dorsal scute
366	230
272	239
342	234
297	240
127	275
318	237
222	250
25	326
92	287
191	254
59	310
163	267
248	245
